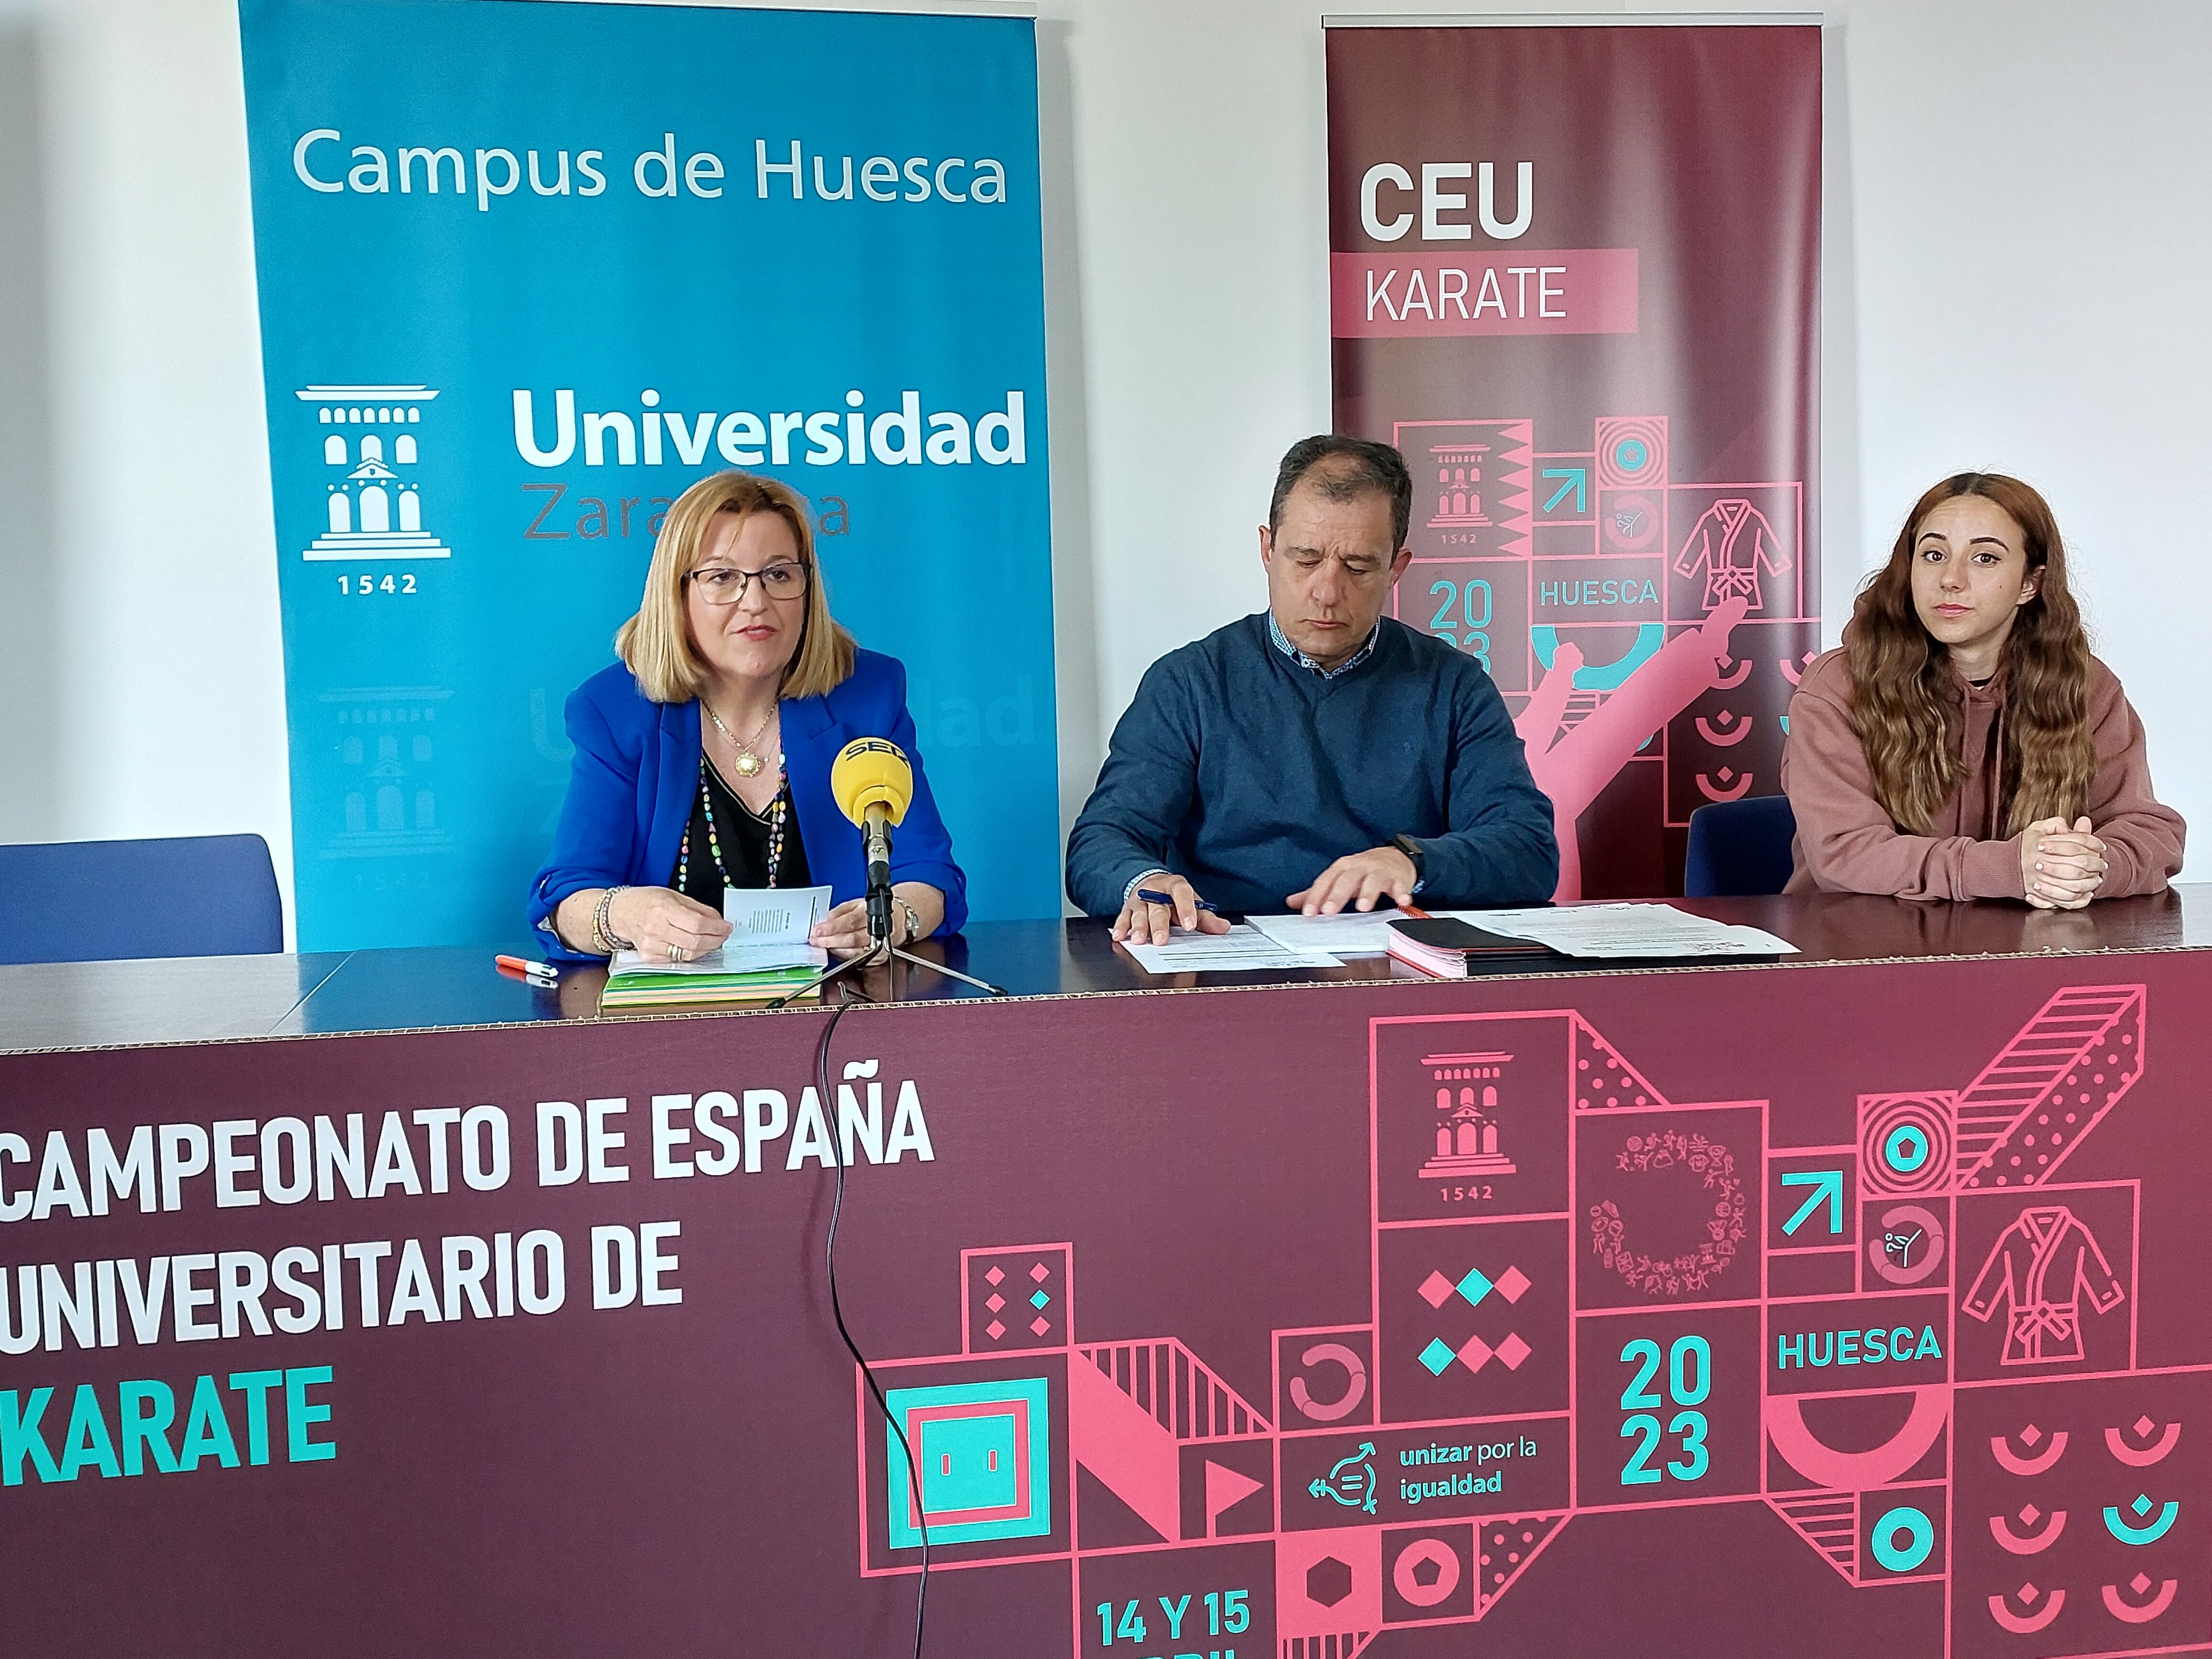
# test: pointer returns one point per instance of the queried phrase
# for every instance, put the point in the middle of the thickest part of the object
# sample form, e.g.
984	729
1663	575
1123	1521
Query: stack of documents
1244	948
766	955
1348	933
1448	947
1593	932
1628	931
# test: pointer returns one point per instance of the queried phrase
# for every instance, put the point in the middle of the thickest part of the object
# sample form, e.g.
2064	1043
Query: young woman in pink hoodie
1964	744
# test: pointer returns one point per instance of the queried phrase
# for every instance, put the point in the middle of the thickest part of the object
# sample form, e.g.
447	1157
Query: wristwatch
1412	849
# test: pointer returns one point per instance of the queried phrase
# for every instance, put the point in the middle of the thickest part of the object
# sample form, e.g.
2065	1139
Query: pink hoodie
1847	843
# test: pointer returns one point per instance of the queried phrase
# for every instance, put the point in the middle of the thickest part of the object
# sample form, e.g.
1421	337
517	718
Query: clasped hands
2061	866
1356	882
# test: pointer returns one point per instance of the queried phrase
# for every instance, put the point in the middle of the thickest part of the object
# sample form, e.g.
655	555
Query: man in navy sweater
1319	756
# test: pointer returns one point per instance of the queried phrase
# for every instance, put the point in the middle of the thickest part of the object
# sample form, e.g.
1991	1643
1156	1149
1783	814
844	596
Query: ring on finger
675	953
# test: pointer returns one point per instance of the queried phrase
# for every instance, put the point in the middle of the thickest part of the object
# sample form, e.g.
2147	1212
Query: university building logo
1467	1132
374	506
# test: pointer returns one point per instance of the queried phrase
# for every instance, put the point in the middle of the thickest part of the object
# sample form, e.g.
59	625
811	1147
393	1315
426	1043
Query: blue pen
1151	896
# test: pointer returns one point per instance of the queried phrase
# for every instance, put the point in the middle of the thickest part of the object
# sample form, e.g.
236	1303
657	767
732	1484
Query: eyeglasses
722	584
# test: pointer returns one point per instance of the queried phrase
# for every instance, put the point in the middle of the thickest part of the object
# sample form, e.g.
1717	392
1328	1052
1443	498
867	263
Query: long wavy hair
1903	692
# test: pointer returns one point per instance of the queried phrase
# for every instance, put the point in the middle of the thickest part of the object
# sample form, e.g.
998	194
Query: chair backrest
94	901
1739	847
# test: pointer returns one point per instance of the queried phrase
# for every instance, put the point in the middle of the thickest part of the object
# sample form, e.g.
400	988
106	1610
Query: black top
743	835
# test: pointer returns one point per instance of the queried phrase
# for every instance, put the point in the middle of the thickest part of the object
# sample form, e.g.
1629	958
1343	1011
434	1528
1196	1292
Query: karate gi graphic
1731	543
2043	1264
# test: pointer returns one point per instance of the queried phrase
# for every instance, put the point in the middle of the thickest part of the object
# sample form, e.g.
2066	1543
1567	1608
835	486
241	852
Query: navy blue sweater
1248	774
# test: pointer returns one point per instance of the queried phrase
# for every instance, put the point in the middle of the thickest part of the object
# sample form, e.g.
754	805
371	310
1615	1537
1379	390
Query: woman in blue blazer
703	758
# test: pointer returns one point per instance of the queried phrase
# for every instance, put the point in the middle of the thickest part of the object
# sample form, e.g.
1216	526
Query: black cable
837	1312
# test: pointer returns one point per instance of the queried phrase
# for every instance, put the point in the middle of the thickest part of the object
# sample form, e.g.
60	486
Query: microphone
872	783
872	780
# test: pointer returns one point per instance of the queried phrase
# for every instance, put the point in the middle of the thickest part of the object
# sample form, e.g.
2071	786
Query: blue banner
526	271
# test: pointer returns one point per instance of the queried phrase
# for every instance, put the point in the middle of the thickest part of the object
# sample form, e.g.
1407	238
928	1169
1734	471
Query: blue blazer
637	774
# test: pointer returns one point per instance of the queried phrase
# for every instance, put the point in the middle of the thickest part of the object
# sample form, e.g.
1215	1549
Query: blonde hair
656	644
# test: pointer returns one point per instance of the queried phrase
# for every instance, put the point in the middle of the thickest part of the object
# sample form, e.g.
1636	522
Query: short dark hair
1362	464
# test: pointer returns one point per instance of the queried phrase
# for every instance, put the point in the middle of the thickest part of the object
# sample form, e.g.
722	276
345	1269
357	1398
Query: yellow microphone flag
871	772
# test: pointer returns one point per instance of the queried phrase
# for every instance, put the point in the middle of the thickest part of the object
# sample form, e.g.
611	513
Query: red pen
536	972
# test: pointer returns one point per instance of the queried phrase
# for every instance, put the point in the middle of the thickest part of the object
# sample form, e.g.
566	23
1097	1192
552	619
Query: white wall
2017	217
2031	221
157	708
2017	223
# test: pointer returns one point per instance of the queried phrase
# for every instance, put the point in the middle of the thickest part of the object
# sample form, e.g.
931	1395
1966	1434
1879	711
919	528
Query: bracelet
913	920
608	940
1140	880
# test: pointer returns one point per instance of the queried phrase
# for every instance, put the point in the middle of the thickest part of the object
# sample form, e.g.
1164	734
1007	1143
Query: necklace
748	763
776	811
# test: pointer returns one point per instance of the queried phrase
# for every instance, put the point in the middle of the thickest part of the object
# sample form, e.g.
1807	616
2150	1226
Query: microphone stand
879	933
885	950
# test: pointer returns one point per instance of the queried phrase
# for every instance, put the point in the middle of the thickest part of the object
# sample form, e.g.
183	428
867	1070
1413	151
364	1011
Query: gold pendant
749	765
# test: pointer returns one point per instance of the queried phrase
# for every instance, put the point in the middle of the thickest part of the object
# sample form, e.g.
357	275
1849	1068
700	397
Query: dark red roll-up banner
1574	274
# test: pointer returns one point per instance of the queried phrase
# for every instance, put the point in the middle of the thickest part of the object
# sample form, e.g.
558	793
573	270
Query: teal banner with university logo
526	272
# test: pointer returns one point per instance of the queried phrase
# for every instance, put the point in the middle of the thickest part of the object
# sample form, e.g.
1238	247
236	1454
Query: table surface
230	999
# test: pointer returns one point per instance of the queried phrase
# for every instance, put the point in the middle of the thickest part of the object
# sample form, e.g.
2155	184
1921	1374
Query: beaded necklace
776	811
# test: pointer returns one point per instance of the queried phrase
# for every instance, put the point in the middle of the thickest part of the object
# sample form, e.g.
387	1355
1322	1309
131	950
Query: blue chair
1739	847
97	901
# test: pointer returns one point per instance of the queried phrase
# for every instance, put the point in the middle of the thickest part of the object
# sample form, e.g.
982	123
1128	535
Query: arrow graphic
1577	479
1825	1184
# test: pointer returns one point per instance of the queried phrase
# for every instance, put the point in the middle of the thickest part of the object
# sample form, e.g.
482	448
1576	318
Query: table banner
1645	1313
1574	276
526	271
